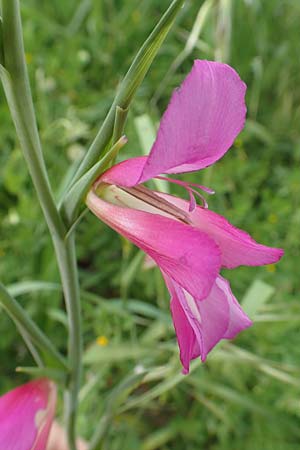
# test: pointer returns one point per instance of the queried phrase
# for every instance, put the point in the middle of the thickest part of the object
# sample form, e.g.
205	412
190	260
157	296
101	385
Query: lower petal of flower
200	325
185	334
237	246
184	253
238	320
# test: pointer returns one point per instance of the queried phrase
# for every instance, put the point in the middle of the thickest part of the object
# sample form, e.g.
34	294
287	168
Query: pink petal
26	415
208	318
185	334
184	253
238	320
201	122
237	246
127	173
200	325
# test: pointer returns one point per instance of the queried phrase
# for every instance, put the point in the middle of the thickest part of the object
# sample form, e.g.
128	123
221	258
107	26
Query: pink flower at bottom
188	242
26	415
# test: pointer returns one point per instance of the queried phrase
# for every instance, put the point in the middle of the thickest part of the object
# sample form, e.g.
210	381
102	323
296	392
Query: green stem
17	89
66	257
15	80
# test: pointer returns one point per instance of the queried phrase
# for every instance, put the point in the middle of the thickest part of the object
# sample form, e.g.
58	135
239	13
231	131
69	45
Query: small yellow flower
102	341
271	268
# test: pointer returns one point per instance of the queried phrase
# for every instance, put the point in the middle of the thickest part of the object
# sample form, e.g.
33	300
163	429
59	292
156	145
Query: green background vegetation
247	394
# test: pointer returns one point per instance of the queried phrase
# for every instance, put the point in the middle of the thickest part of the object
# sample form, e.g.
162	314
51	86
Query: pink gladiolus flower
188	242
26	415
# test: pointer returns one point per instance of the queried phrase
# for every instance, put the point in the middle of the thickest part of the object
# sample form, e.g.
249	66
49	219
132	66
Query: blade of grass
30	329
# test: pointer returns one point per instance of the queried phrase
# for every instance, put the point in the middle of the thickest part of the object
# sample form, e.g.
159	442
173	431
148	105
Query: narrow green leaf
1	43
173	377
58	315
144	309
259	131
279	375
130	84
120	393
120	120
146	132
155	392
155	332
256	296
112	353
233	396
118	396
131	270
54	374
76	194
37	337
31	347
78	17
159	438
26	287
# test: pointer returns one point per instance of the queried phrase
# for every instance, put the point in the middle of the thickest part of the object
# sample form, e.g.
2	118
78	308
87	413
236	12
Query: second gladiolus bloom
187	241
26	415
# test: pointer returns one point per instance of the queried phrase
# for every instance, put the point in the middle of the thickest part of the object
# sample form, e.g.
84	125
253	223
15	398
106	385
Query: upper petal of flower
26	414
126	173
184	253
237	246
201	122
200	325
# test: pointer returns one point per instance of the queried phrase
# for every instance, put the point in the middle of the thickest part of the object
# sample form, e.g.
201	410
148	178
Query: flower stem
66	257
14	76
15	81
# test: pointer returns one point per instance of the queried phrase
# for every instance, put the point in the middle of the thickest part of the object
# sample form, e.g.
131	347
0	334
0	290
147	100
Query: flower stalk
15	80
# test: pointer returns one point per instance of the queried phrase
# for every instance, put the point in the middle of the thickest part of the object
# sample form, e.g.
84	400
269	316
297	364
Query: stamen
193	203
186	183
203	200
146	195
203	188
191	191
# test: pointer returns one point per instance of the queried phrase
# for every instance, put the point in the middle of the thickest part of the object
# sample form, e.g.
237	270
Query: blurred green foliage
247	395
